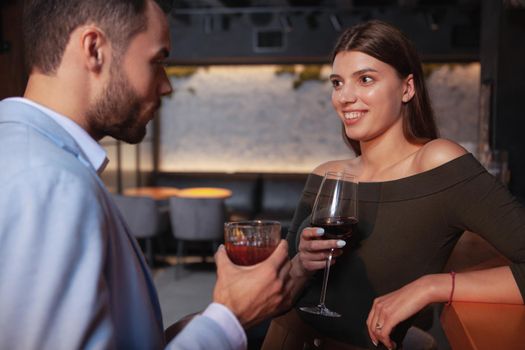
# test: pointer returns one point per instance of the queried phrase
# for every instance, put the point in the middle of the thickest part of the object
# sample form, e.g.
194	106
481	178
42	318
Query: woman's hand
312	254
314	250
392	308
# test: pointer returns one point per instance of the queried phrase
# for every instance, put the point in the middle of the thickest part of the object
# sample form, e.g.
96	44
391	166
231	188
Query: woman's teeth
352	115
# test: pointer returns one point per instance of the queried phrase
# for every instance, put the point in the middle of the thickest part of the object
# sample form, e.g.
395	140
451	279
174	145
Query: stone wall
280	119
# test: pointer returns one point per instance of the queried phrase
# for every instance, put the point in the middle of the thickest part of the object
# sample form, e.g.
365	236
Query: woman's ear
408	88
94	48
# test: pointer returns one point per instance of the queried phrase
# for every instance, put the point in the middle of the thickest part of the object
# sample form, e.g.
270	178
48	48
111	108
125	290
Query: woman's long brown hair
389	45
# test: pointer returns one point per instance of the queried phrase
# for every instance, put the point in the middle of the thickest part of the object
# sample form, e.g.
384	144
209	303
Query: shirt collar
93	151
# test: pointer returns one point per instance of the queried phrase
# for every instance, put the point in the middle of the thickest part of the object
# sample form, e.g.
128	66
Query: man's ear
408	88
95	48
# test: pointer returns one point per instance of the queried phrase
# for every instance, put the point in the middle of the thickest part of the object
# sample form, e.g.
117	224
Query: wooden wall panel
13	74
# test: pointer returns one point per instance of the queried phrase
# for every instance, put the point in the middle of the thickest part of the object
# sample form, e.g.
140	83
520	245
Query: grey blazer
71	275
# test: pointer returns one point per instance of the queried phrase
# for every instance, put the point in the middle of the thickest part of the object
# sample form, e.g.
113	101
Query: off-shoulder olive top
407	228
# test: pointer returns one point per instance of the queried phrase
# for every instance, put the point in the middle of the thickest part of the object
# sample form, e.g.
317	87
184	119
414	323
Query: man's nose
165	86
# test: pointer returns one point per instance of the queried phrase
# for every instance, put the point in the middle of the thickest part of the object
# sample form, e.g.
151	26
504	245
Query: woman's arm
479	204
495	285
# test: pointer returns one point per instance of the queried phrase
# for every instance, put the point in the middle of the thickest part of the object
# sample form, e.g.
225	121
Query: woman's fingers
314	250
312	233
380	323
370	323
316	255
390	309
311	240
317	261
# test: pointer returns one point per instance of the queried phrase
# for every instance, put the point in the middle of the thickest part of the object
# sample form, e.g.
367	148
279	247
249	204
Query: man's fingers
285	270
280	255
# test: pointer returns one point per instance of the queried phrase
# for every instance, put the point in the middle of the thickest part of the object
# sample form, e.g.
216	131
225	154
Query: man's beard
117	111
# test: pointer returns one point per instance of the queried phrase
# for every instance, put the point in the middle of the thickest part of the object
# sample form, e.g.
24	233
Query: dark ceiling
185	4
301	31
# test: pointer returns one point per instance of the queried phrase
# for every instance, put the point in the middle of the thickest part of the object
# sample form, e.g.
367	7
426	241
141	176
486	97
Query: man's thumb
221	257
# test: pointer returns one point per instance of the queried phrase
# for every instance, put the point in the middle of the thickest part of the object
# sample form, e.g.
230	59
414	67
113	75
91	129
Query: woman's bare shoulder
336	165
437	152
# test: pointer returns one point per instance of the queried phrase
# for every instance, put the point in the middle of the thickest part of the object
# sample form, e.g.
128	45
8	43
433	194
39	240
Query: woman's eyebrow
356	73
364	70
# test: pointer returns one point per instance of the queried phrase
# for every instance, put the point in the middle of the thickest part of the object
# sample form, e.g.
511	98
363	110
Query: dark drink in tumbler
250	242
241	254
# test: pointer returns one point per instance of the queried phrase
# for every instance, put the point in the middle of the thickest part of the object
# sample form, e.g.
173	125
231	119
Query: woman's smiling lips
351	117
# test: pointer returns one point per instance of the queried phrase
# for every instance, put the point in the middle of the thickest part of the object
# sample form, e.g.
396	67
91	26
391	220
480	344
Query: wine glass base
320	310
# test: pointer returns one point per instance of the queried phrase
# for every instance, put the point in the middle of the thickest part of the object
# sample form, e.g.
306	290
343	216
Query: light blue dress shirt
106	297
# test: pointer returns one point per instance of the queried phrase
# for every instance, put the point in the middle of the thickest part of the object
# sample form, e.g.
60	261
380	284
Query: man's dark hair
48	25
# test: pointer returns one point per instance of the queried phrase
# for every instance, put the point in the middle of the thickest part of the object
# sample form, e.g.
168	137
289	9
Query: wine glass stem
325	277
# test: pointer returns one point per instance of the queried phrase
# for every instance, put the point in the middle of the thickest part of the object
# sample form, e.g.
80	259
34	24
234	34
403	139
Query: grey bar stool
196	219
143	218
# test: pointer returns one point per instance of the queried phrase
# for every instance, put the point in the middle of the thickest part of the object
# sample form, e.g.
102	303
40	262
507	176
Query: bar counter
482	326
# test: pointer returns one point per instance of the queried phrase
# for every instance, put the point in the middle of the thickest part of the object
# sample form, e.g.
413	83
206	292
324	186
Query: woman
418	194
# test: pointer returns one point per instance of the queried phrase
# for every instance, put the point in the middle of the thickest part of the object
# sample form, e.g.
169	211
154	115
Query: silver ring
379	326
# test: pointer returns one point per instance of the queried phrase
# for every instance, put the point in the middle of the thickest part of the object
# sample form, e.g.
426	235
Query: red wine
336	227
242	254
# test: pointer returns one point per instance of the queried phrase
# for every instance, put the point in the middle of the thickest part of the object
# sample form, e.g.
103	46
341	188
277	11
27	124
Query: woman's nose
347	94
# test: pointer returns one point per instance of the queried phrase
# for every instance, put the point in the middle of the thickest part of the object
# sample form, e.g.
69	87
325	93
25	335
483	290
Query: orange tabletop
157	193
204	192
480	326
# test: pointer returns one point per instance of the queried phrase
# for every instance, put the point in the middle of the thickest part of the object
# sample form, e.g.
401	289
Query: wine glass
250	242
335	210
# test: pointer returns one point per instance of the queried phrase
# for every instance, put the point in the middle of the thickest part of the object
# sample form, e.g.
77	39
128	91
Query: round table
156	193
204	192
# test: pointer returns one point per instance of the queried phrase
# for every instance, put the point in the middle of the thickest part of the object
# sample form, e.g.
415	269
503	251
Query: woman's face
368	95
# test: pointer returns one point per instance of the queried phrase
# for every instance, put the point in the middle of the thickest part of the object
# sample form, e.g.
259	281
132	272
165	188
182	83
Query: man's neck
50	92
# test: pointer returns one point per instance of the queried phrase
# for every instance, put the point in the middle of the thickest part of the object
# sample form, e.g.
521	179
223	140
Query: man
71	276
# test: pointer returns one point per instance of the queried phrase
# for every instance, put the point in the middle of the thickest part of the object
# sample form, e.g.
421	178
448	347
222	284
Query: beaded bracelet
453	275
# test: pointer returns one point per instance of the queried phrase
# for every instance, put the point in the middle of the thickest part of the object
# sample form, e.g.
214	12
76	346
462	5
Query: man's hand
253	293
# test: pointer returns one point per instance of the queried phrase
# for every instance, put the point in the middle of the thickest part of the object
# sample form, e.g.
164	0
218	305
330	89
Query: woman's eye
336	83
366	79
